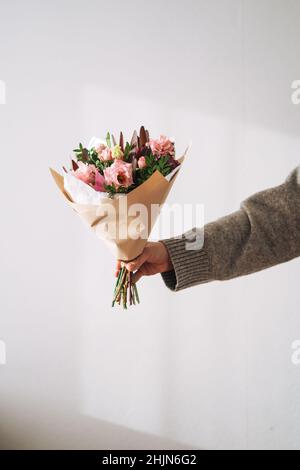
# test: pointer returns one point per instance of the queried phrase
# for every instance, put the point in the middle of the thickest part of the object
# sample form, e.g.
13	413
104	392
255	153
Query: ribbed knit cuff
191	266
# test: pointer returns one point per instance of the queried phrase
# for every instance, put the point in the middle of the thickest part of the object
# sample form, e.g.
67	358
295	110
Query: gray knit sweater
263	233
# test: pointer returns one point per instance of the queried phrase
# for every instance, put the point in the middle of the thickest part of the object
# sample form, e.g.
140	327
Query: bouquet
118	188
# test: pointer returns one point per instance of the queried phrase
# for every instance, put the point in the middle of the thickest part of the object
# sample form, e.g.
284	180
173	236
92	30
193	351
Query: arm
263	233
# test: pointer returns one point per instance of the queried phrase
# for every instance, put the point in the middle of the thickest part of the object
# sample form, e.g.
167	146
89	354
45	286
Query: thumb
137	262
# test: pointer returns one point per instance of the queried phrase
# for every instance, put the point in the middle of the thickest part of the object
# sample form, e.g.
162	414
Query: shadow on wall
67	431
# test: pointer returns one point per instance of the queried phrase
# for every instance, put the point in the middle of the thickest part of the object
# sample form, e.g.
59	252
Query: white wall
209	367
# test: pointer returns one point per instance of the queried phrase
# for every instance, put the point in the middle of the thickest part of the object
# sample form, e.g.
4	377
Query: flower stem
125	290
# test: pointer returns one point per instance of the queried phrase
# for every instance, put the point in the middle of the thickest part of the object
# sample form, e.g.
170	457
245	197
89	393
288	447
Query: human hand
154	259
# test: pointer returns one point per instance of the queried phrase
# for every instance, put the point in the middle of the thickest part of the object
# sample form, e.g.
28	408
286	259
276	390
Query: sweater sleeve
263	233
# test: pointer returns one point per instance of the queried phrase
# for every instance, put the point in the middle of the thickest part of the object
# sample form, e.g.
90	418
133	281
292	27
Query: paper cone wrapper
125	222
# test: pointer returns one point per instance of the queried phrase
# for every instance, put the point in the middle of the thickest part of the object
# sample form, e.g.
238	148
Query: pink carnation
162	146
104	153
90	175
119	174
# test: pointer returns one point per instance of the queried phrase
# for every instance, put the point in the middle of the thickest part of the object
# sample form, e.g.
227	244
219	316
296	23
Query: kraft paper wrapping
118	221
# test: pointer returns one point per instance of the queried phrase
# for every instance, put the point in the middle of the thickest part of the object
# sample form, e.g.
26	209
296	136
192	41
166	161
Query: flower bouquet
118	188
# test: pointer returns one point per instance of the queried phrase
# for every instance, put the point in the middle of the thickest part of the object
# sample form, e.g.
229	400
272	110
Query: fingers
134	265
137	276
138	262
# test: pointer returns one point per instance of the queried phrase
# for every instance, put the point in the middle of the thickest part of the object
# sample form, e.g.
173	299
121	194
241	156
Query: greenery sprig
152	165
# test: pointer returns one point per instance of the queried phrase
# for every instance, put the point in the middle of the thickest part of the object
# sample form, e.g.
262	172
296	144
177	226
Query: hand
154	259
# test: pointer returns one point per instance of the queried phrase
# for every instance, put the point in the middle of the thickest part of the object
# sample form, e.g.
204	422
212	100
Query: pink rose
142	163
119	174
162	146
90	175
104	153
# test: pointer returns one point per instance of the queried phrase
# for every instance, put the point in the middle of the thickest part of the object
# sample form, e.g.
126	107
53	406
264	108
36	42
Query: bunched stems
125	290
